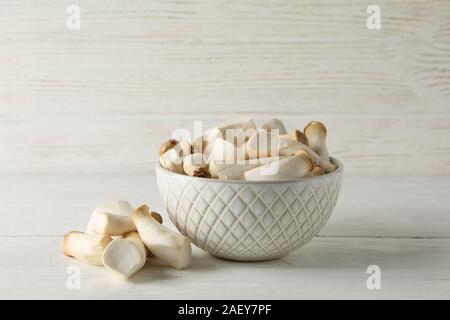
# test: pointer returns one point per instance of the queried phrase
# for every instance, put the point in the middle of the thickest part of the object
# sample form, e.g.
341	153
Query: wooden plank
367	145
367	206
222	20
146	79
203	57
326	268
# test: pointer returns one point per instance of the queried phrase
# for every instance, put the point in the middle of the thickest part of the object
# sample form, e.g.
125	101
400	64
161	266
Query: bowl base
249	259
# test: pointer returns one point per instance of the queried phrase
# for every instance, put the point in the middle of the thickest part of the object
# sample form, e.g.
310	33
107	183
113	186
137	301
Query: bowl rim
338	171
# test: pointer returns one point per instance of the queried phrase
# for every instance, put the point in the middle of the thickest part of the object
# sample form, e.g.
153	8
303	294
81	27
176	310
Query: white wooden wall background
101	99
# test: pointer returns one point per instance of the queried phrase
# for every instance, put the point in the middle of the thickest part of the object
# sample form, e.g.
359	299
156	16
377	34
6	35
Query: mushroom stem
222	150
221	170
169	246
317	135
113	224
86	248
120	207
293	167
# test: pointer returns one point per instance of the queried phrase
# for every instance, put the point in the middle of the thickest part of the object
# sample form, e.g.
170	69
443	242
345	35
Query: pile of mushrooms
122	238
250	153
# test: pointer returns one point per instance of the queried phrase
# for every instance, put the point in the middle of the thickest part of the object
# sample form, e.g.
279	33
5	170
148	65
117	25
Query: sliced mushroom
125	256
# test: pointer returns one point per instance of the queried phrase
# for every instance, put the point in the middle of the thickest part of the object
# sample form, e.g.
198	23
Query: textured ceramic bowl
249	220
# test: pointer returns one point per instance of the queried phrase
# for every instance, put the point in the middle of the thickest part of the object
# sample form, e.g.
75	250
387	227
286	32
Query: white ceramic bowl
249	220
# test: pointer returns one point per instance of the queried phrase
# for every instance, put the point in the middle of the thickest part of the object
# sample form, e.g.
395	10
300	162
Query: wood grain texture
400	224
138	57
368	145
415	207
101	99
324	269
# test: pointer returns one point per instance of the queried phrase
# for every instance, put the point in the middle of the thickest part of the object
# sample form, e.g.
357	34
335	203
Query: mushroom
125	256
184	148
84	247
166	146
172	161
221	150
296	166
296	135
290	147
262	144
113	224
119	207
275	124
224	171
317	171
171	154
195	166
202	142
317	135
167	245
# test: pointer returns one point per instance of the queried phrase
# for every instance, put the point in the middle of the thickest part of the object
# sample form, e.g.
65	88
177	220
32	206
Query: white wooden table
400	224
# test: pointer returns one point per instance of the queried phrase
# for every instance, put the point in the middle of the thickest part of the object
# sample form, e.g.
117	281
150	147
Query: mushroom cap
300	137
166	146
315	128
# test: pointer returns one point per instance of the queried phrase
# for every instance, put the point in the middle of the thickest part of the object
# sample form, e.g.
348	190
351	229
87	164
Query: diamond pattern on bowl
249	221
